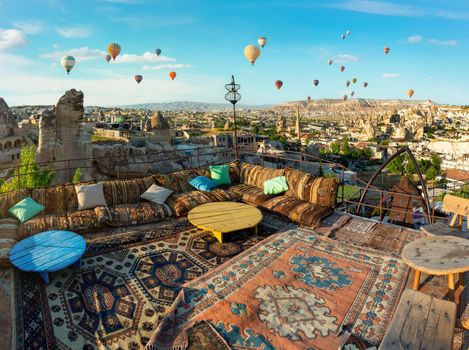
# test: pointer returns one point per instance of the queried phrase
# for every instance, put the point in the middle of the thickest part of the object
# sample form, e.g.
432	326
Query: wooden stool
446	255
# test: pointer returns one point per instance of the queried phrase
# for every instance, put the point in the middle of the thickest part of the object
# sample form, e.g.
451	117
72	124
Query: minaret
297	125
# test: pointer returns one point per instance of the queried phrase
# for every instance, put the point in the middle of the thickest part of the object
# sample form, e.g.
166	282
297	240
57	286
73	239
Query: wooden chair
457	206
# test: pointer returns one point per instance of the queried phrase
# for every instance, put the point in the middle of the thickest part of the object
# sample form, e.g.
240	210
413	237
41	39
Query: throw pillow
156	194
276	185
26	209
220	174
202	183
90	196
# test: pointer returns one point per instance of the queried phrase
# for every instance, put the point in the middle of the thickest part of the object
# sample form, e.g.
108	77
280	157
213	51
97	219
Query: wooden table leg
45	276
451	286
218	236
256	230
416	284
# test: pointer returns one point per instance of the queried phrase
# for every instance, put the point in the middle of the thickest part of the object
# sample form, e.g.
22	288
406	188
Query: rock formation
63	139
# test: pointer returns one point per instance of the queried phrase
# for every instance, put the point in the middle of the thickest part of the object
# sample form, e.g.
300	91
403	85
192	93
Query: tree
436	161
29	174
345	147
397	165
335	148
77	176
431	173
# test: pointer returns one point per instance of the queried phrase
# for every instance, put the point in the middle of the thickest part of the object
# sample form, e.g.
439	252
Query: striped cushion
256	175
297	210
178	181
182	203
126	191
7	200
52	198
5	245
133	214
43	223
84	221
9	228
250	194
315	190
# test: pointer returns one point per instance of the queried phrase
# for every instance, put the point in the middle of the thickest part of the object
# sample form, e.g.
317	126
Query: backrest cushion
315	190
256	175
178	181
7	200
126	191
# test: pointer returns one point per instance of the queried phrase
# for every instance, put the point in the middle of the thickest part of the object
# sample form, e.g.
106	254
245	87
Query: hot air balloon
108	58
347	83
354	80
114	50
429	101
172	75
386	50
365	84
138	78
252	52
410	93
342	68
343	36
316	82
348	32
158	52
330	62
68	62
278	84
308	98
345	97
262	41
352	93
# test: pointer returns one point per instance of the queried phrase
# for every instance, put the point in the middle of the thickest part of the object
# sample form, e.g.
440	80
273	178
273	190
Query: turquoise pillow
276	185
202	183
220	174
25	209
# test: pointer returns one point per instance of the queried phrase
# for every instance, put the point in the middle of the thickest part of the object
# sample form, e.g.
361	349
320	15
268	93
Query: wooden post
416	283
343	183
451	286
380	206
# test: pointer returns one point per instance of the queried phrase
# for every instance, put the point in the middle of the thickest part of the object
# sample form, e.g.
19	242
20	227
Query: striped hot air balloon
252	53
68	62
114	50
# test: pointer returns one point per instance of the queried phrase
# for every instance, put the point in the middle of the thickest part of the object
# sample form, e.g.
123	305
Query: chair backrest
457	206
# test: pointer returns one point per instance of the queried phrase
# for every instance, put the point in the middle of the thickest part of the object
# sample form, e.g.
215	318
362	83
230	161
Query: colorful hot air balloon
278	84
347	83
348	32
352	93
386	50
410	93
114	50
342	68
330	62
252	52
262	41
158	52
354	80
138	78
345	97
108	58
365	84
343	36
172	75
316	82
68	62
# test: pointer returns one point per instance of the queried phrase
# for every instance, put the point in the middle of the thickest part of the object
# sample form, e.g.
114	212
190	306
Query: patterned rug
296	290
128	279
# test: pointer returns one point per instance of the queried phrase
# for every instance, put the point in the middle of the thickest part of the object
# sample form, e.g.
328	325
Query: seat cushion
84	221
43	223
9	228
182	203
132	214
256	175
302	212
5	245
126	191
315	190
250	194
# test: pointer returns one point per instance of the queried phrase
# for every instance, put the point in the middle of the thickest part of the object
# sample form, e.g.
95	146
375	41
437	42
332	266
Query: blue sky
203	42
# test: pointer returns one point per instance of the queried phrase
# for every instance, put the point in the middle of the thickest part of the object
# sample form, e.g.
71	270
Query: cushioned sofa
307	201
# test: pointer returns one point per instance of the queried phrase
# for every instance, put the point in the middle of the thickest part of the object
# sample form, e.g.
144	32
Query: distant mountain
192	106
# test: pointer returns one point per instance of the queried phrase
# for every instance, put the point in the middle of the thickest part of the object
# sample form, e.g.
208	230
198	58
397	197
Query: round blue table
48	251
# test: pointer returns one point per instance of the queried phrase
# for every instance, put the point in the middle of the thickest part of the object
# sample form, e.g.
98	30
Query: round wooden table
445	255
224	217
48	251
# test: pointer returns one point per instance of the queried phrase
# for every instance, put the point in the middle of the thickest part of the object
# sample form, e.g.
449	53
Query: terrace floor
130	277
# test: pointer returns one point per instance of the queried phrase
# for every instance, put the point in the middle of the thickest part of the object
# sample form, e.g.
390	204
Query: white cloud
11	38
443	42
30	27
390	75
83	53
345	58
147	57
167	66
14	60
55	46
73	32
414	39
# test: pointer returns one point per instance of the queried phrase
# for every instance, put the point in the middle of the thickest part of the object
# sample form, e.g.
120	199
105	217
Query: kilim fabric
315	190
126	191
70	198
256	175
250	194
235	175
371	234
297	210
5	245
128	279
8	336
43	223
52	198
178	181
132	214
202	336
9	228
293	291
7	200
